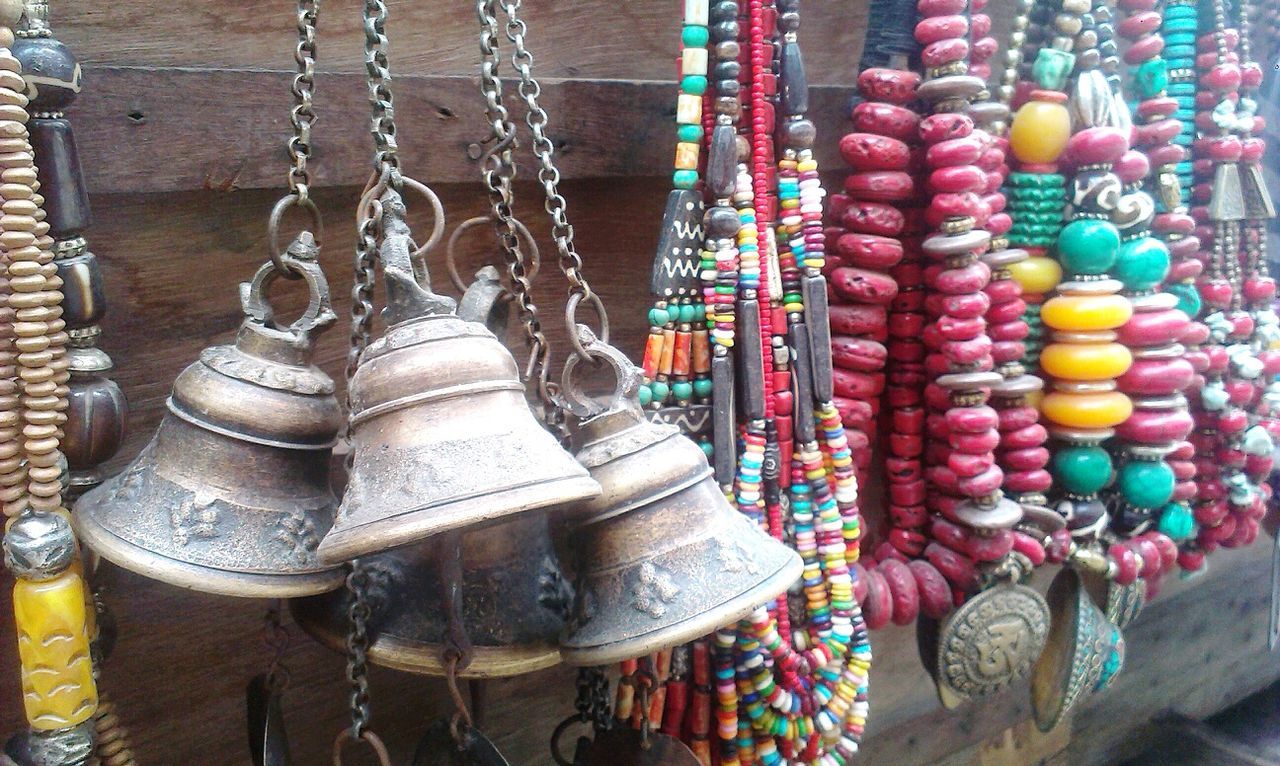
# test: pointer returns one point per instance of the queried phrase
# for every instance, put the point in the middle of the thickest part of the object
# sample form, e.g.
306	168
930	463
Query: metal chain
357	645
303	115
382	124
498	170
549	176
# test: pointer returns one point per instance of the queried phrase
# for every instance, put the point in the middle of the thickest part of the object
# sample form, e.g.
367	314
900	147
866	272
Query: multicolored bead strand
1084	358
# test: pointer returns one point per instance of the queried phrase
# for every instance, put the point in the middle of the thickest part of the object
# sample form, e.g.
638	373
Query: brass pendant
268	743
630	747
438	747
1084	653
987	644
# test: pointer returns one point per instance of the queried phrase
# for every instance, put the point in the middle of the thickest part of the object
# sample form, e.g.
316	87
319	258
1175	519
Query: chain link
498	170
357	645
382	124
548	173
303	115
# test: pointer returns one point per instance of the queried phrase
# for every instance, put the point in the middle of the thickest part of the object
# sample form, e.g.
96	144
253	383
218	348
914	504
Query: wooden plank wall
182	160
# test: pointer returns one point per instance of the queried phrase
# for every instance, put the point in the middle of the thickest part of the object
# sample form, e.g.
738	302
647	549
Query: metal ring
273	229
367	737
571	323
558	733
437	210
522	231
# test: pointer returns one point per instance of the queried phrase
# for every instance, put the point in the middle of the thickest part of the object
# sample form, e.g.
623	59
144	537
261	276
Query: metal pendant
987	644
268	742
1125	602
1084	654
439	748
1257	199
631	747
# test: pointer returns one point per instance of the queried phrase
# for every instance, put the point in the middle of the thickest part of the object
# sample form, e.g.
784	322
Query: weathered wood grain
178	129
619	39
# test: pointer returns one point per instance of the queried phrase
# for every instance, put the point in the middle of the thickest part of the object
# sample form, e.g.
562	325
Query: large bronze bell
232	494
441	433
496	589
662	557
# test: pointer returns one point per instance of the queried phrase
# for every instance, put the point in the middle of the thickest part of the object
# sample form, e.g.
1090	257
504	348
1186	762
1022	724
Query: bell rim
424	522
729	611
425	659
196	577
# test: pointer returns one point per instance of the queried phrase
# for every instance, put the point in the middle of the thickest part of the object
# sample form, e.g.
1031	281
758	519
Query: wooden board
178	129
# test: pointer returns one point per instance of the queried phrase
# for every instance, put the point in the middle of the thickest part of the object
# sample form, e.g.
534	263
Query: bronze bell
662	556
441	433
232	494
500	585
510	602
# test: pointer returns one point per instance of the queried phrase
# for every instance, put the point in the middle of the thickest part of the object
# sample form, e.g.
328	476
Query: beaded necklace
1148	486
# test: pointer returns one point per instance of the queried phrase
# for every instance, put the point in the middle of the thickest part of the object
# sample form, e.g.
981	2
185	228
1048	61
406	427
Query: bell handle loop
300	261
294	199
367	737
594	350
571	321
486	302
526	237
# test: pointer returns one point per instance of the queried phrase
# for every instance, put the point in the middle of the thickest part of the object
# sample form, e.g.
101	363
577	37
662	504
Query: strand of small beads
1151	485
1227	499
677	354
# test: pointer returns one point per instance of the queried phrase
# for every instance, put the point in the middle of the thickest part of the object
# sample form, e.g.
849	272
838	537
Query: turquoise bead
694	36
702	388
1142	263
645	395
658	317
690	134
1152	77
1180	24
683	390
699	312
1088	246
693	84
1146	483
708	448
1177	522
685	179
1082	470
1188	297
686	313
660	391
1052	67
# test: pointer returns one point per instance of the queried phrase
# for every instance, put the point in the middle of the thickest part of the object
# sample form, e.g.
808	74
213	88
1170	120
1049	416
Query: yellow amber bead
1037	274
1085	361
1083	313
1039	132
53	645
1099	410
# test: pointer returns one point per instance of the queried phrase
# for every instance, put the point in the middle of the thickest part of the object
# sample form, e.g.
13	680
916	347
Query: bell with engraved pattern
662	556
232	496
441	434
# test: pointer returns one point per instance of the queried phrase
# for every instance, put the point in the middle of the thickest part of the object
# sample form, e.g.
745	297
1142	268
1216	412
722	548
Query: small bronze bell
1084	653
442	435
512	601
232	494
662	556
